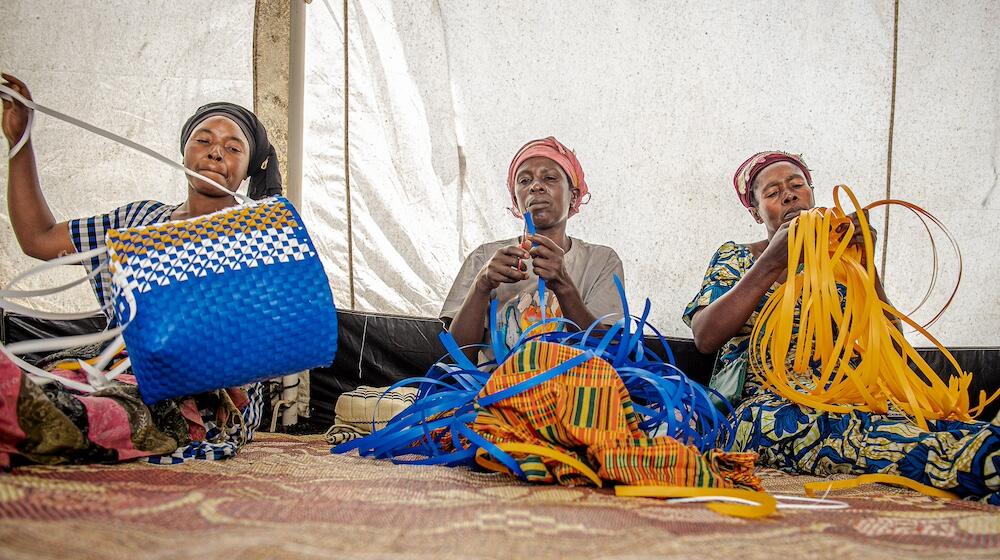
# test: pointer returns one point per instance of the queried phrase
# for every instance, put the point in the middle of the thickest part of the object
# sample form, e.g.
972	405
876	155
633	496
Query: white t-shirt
591	267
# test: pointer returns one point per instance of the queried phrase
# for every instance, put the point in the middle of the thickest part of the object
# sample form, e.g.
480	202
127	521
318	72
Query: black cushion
378	349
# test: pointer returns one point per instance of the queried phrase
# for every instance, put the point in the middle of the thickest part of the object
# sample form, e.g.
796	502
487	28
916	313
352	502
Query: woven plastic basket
221	300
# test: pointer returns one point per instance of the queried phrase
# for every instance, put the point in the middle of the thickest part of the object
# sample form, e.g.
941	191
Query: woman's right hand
15	115
506	266
775	256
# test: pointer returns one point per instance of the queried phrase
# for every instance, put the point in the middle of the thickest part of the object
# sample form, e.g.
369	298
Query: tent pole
296	92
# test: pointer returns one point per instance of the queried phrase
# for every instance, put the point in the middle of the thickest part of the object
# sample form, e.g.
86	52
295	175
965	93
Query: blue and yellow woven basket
221	300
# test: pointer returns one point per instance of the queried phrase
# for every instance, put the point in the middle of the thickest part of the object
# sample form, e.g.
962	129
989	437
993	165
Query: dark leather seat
378	349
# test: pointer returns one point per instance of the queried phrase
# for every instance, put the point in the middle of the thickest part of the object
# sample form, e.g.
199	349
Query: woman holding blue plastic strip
545	180
558	402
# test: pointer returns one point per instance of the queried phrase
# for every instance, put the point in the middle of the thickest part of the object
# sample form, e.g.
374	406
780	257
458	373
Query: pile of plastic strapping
438	425
463	417
445	426
848	354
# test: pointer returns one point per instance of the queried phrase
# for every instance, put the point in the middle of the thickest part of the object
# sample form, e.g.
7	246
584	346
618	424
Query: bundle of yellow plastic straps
865	363
757	504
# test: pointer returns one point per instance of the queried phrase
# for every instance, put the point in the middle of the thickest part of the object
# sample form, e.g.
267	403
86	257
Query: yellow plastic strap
766	504
866	363
484	460
813	488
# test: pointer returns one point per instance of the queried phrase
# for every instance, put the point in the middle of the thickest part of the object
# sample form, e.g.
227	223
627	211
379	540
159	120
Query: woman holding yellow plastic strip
962	457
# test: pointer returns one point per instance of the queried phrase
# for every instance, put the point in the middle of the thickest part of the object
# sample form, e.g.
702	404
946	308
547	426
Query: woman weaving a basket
546	180
823	432
222	141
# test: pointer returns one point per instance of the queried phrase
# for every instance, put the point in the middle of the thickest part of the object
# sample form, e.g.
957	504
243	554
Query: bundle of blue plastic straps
438	429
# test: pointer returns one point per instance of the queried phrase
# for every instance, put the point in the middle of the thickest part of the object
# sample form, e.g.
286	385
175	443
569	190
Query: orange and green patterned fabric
587	414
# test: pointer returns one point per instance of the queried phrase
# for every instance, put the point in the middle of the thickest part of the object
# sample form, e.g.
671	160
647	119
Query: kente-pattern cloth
587	413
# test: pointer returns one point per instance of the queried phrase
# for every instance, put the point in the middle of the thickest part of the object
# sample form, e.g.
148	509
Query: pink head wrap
563	156
751	168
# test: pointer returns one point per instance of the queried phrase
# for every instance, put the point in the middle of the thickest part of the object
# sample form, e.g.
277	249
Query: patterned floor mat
286	496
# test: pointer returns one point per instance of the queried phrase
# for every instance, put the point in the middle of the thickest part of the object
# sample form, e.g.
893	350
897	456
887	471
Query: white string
94	373
361	354
9	94
18	294
41	377
120	369
109	353
72	258
805	503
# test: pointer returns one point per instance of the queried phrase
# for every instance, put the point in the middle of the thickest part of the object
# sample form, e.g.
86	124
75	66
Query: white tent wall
138	69
660	104
946	151
403	156
323	185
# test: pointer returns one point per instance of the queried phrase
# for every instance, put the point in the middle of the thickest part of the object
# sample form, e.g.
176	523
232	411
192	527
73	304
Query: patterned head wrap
265	178
563	156
751	168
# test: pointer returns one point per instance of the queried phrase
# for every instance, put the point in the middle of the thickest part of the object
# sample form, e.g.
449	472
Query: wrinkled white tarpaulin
660	101
138	70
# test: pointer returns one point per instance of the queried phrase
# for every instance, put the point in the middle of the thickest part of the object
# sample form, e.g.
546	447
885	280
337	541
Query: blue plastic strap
497	339
413	425
454	351
450	459
404	383
500	455
595	325
608	337
526	335
529	224
431	405
666	346
383	445
666	401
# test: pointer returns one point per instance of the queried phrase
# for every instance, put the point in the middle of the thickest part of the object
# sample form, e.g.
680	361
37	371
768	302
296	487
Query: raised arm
503	267
37	231
716	323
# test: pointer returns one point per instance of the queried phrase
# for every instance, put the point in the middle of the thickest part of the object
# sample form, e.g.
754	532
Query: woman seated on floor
222	141
956	456
545	179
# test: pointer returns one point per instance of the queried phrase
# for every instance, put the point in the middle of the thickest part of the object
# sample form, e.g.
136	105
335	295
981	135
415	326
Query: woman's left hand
547	260
858	239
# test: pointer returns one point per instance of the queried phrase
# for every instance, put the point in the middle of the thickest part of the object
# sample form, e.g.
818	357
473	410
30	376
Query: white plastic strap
784	502
95	373
9	94
72	258
40	376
